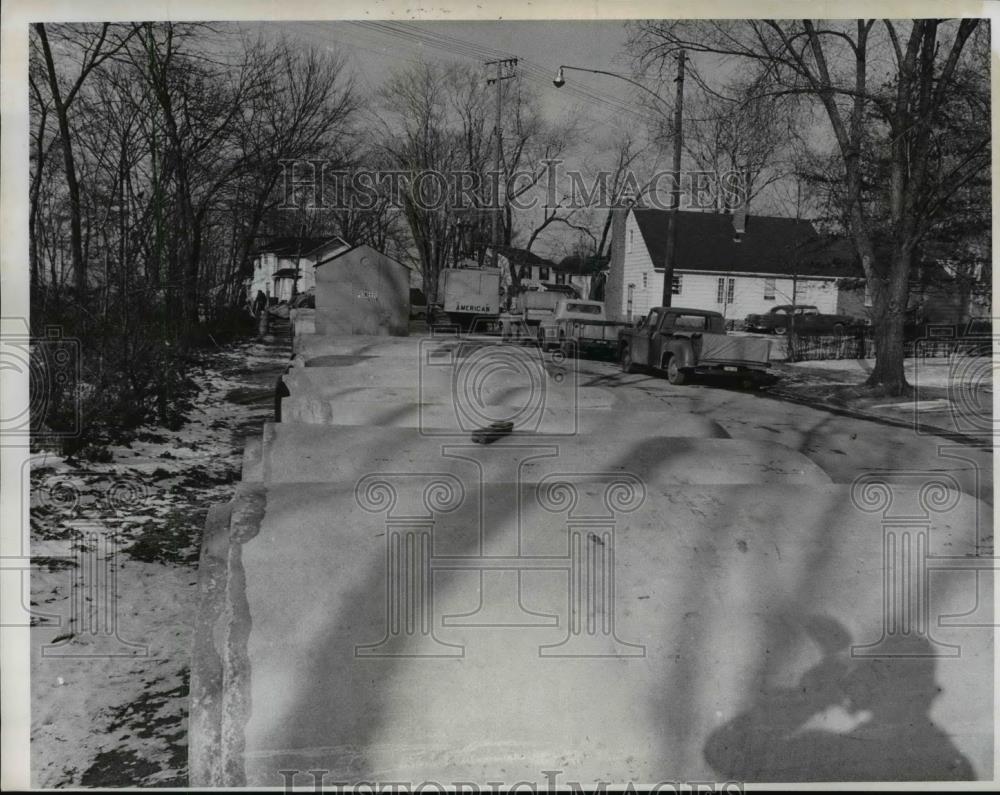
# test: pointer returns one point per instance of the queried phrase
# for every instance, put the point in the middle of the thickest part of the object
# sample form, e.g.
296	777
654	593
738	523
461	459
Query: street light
668	266
560	80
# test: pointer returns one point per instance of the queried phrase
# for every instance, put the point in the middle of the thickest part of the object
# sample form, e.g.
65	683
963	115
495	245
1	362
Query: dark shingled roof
521	256
784	246
290	246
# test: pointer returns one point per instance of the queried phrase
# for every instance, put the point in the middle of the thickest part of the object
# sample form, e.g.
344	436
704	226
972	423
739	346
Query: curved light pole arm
559	81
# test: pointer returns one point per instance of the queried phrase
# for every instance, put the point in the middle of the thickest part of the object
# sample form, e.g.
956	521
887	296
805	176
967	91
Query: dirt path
110	675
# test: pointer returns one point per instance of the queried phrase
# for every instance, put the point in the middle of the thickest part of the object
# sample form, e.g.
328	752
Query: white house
279	261
535	272
772	261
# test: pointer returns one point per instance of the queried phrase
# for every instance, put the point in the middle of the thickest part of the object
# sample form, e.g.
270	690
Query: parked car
533	307
579	326
685	342
565	289
977	337
807	319
418	304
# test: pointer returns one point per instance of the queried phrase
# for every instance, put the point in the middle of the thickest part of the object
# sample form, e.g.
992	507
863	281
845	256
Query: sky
602	105
377	48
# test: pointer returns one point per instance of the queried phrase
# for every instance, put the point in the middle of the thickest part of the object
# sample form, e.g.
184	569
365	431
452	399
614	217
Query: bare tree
435	120
303	110
899	105
747	135
93	46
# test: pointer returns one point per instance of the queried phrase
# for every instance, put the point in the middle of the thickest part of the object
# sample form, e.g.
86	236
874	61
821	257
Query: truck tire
628	366
675	375
780	329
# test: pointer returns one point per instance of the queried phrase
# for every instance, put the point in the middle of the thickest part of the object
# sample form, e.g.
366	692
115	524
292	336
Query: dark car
418	304
807	320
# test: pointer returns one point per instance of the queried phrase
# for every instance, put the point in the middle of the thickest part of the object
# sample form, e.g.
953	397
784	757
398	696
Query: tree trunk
35	191
192	293
72	184
890	298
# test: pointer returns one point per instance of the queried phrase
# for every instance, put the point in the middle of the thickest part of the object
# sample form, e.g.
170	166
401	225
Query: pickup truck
808	320
580	326
684	342
534	308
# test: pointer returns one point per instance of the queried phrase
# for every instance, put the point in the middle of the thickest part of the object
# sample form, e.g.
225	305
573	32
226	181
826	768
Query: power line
458	48
534	72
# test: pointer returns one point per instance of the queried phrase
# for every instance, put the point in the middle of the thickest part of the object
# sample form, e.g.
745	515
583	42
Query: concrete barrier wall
350	670
632	598
300	453
445	419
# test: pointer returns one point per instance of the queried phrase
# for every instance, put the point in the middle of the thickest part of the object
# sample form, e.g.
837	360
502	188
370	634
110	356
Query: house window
724	293
543	274
675	285
645	281
768	289
560	277
523	272
631	239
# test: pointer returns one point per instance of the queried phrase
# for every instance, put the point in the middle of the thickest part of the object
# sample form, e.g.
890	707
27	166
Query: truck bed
725	349
603	330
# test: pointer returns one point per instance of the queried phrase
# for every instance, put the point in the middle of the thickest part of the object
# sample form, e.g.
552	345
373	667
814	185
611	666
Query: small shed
362	291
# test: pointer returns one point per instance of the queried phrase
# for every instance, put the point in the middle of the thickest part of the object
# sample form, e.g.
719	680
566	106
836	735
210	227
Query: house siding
614	290
267	263
636	263
699	290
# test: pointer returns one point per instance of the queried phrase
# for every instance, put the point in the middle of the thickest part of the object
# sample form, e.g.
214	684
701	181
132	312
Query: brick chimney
739	222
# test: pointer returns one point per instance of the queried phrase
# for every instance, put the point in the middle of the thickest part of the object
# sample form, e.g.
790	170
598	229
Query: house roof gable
293	246
329	244
521	256
348	250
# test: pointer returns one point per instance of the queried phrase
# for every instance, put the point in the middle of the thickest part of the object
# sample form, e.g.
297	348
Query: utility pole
511	63
668	268
298	259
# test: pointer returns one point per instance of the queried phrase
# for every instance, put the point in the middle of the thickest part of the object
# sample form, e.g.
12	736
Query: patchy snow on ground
952	394
114	582
942	371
